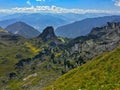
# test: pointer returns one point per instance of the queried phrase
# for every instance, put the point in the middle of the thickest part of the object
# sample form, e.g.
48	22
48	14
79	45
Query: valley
35	63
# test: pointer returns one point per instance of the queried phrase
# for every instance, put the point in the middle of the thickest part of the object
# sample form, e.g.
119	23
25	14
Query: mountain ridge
22	29
83	27
41	20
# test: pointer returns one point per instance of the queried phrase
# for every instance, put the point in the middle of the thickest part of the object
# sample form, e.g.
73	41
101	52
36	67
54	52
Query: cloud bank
54	9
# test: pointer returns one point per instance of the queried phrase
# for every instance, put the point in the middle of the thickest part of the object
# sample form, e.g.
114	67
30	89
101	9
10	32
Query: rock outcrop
48	33
113	25
99	40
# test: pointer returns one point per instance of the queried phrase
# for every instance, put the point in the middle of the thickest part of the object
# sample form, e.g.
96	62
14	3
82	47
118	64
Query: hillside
31	64
22	29
101	73
9	46
83	27
2	30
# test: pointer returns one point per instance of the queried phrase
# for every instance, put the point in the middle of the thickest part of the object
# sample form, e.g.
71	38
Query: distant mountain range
83	27
22	29
78	28
38	21
42	20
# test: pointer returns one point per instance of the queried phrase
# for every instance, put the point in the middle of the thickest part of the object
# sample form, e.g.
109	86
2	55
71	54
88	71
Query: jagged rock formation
113	25
23	30
47	56
48	33
97	41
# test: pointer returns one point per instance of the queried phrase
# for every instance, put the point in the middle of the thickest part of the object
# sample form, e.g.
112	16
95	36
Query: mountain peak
48	33
23	29
20	23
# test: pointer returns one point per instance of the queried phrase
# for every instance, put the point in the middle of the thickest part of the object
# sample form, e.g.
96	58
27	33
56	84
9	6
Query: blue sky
88	5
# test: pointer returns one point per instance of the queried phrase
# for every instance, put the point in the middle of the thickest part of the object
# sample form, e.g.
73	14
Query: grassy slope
8	56
101	73
27	49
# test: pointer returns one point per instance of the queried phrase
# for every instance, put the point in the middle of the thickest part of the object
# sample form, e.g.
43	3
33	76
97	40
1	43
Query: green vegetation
12	52
62	39
32	48
31	81
101	73
32	64
22	58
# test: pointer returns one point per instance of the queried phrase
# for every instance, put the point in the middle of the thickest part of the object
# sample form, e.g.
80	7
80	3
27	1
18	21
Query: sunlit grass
101	73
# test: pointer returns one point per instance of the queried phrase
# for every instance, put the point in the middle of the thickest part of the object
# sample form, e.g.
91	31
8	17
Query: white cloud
28	2
55	9
116	2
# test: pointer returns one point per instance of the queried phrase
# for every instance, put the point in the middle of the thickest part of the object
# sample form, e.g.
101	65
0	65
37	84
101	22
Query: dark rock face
23	30
48	33
12	75
113	25
99	40
99	31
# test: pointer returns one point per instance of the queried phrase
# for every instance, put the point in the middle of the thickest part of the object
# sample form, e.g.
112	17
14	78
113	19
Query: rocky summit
48	33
